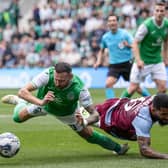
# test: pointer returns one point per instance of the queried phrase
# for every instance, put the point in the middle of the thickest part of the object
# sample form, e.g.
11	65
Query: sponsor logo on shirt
158	42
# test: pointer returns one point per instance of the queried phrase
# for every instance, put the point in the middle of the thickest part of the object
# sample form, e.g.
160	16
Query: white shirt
143	122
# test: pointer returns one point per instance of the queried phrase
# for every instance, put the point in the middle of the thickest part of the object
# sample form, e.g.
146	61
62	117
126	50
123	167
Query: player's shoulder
107	34
76	80
148	21
124	32
48	71
166	21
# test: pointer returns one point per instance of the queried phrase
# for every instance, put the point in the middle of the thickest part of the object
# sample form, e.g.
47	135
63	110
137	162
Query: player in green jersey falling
60	93
151	37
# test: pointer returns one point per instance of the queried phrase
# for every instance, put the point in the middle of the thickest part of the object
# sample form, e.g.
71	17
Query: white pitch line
5	115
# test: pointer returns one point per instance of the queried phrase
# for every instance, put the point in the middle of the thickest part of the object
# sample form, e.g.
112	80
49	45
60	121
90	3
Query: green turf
47	143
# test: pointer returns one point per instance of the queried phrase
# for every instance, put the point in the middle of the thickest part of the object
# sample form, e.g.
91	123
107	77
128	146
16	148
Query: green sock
125	94
104	141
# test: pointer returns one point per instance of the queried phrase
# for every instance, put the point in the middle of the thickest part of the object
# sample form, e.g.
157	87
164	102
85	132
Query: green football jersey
66	100
151	46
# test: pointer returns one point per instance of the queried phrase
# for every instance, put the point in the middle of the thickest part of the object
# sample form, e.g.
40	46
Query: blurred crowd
64	30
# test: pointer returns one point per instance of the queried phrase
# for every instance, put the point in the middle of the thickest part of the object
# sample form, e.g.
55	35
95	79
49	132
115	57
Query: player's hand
80	120
166	61
48	98
96	65
140	64
126	44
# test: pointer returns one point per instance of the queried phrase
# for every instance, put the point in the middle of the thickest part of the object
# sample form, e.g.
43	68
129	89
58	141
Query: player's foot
10	99
124	149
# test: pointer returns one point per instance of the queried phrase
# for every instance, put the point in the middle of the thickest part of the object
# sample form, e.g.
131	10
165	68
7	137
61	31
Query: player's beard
162	122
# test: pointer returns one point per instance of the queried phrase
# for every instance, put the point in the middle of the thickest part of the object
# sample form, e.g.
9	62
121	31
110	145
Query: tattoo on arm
94	116
147	151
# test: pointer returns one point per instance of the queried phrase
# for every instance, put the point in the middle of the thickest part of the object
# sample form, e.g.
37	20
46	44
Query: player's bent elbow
22	92
97	117
16	119
145	153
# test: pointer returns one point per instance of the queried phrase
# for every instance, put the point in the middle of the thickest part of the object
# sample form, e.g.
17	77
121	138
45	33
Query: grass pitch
47	143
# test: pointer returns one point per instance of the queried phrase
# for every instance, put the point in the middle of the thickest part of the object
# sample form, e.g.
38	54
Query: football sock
145	92
17	110
104	141
109	93
125	94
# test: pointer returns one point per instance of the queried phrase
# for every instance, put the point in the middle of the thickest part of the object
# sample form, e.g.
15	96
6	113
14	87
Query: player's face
112	23
62	80
159	13
163	116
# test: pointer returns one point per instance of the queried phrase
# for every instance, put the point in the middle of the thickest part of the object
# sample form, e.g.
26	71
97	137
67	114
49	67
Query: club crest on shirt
70	96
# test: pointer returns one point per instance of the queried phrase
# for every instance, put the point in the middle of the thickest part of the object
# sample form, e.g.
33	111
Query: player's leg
112	77
93	136
135	76
161	85
130	90
23	110
143	91
126	74
159	75
104	141
110	81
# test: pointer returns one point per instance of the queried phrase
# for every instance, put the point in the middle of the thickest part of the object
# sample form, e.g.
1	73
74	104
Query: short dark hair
63	67
160	3
160	101
114	15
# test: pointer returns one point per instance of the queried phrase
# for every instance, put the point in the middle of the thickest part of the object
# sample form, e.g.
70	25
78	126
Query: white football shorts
70	120
157	71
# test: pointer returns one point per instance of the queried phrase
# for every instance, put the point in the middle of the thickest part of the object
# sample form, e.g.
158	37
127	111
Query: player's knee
162	88
109	84
86	132
16	114
16	119
132	88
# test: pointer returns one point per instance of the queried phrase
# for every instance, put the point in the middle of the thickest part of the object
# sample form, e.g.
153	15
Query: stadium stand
44	32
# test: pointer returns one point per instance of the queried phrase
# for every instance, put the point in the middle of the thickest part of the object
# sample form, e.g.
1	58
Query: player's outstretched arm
147	151
136	54
25	93
94	115
99	58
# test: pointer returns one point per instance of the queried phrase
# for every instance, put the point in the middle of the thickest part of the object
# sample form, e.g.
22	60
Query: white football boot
10	99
